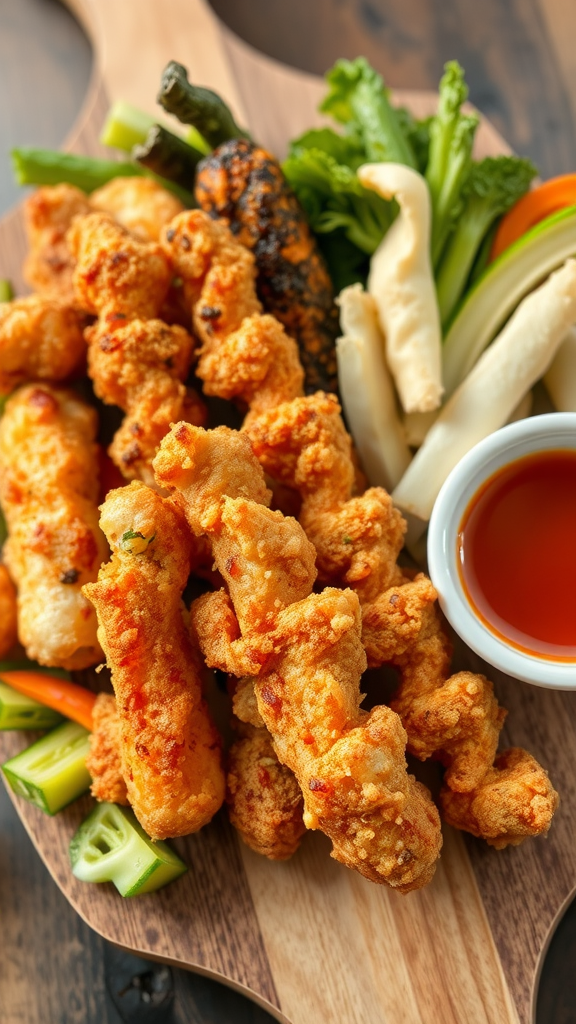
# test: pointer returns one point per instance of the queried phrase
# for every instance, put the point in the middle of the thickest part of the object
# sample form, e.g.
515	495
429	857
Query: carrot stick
542	202
70	700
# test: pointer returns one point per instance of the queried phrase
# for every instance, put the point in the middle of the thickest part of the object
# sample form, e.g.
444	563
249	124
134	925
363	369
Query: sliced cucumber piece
501	287
111	846
52	772
20	712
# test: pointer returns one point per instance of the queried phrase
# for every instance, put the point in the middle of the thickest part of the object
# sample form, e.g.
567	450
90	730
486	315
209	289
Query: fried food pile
144	292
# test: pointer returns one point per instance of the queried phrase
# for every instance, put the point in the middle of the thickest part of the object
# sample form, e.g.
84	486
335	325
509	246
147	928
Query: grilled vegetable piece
168	156
19	712
52	772
6	291
244	184
202	108
110	846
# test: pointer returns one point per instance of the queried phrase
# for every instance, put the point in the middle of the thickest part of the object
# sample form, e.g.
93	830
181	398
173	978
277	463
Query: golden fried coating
139	204
515	800
264	799
48	492
49	212
308	652
244	184
40	339
170	750
103	761
8	615
114	272
140	365
244	355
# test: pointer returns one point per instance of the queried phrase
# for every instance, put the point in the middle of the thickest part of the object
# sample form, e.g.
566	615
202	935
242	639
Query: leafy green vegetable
493	186
333	198
202	108
418	135
345	149
136	543
450	157
358	99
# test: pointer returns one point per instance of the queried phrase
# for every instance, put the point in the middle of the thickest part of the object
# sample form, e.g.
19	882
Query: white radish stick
402	283
367	390
484	401
560	379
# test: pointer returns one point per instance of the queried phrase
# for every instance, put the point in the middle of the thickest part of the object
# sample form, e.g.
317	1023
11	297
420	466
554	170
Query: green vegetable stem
193	105
494	185
52	772
111	846
168	156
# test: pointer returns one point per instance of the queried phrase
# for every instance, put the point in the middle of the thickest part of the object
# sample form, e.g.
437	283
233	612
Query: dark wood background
520	64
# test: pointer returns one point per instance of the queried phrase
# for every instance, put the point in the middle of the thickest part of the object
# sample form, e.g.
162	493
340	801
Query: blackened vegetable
168	156
244	184
202	108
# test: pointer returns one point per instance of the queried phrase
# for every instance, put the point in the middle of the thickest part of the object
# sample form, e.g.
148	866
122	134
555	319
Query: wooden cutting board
309	940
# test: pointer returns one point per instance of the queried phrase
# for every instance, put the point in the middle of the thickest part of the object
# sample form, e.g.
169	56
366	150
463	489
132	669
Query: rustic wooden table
522	73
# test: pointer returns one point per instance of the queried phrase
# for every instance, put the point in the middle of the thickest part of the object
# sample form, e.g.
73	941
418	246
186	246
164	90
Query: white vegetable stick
402	284
560	379
416	426
505	372
367	391
523	409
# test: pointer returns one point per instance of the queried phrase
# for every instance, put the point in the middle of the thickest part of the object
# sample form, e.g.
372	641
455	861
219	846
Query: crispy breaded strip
170	750
48	492
40	339
307	649
8	615
49	266
104	761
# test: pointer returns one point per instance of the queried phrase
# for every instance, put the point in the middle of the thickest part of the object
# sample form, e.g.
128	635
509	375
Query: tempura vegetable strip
402	284
560	380
367	390
514	362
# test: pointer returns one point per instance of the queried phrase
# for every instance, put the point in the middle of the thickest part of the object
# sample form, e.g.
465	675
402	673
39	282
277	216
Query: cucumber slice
20	712
111	846
501	287
52	772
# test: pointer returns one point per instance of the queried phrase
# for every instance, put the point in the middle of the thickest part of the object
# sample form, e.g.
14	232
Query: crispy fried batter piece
244	185
456	720
50	264
48	492
139	204
103	761
306	654
170	750
8	616
114	272
140	365
264	799
40	339
245	355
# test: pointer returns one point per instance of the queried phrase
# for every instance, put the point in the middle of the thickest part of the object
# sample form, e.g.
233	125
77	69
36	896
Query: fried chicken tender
114	272
48	492
8	615
140	365
40	339
515	800
264	799
456	720
306	656
170	750
48	213
139	204
103	760
245	355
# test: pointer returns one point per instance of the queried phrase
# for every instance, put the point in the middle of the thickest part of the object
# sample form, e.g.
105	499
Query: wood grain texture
309	939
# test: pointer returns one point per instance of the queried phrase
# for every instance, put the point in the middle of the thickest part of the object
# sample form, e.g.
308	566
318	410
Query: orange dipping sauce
517	554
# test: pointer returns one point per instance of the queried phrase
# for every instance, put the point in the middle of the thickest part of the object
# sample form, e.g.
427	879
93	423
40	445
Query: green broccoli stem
456	264
447	204
201	108
49	167
381	132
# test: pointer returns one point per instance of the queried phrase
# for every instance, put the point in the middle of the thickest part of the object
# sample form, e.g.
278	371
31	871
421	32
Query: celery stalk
111	846
20	712
6	290
125	126
52	772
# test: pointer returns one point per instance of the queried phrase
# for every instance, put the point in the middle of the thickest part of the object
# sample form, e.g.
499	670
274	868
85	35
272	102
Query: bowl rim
555	430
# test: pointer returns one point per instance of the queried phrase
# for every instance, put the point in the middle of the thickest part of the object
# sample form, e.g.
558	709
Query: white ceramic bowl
538	433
